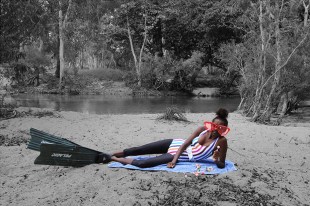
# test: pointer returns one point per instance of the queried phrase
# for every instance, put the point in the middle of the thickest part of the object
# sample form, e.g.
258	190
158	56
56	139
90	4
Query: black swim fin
60	151
75	156
38	137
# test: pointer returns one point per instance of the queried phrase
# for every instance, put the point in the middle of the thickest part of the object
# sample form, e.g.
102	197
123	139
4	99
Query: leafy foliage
103	74
264	56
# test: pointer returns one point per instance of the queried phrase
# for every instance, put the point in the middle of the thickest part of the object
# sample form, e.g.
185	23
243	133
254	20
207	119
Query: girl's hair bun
222	113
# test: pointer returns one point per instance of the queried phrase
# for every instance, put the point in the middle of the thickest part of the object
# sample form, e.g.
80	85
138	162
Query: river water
99	104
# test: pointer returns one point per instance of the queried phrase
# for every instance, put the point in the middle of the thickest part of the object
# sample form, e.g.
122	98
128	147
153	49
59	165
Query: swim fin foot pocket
59	151
103	158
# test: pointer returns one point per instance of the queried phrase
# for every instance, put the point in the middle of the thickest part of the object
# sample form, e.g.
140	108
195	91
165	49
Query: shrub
166	73
7	107
173	113
103	74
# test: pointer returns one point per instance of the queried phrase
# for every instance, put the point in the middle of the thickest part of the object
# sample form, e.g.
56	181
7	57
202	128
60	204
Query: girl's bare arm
220	155
187	142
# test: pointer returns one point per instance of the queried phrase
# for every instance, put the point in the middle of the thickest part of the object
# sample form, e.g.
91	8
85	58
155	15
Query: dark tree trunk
159	41
57	72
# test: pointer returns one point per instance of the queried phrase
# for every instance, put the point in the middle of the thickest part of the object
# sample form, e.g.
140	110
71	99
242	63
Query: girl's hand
171	165
216	154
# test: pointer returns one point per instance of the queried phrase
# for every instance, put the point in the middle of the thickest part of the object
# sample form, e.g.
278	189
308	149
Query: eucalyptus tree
203	27
79	23
63	19
275	36
21	23
128	29
158	27
86	46
284	36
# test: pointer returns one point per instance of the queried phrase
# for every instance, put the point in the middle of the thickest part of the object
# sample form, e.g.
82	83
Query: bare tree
267	66
62	26
306	14
137	61
262	63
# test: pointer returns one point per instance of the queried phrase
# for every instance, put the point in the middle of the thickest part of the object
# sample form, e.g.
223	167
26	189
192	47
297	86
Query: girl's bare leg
118	154
122	160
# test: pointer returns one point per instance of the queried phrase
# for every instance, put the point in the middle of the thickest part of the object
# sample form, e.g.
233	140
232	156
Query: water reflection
98	104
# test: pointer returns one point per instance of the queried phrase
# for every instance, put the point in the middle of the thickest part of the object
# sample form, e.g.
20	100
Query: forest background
259	49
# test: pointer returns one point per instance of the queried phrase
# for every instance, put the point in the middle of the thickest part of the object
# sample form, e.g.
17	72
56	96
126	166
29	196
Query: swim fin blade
60	151
39	137
75	156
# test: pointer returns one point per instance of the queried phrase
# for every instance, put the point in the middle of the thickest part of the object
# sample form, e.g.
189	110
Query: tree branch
67	13
282	4
289	57
306	14
303	2
144	40
130	41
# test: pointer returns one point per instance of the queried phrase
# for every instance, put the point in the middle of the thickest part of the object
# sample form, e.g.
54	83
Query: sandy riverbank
272	161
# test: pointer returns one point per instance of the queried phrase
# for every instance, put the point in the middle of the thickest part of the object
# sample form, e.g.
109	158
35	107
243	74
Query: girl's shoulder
201	129
222	140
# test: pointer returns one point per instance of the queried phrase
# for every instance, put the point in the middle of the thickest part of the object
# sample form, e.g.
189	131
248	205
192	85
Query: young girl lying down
206	141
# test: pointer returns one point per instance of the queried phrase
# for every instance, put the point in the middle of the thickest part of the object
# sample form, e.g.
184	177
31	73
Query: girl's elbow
220	165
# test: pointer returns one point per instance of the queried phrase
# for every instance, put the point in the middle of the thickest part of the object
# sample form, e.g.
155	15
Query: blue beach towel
207	166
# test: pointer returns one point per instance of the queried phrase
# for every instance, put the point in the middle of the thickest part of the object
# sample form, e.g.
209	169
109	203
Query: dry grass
173	114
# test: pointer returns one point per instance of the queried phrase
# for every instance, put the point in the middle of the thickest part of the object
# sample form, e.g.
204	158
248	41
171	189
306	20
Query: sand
272	162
